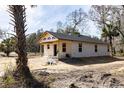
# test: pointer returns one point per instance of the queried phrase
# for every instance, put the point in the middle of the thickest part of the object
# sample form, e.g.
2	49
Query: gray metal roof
81	38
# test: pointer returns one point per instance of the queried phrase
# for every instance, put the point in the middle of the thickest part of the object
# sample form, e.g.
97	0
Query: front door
55	50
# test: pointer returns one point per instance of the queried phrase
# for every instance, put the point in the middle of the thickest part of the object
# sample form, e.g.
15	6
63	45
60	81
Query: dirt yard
83	72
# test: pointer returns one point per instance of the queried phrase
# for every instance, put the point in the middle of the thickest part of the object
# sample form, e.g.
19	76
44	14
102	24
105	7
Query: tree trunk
111	46
22	70
7	54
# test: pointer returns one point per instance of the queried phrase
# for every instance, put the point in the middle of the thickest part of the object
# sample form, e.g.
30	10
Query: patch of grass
7	79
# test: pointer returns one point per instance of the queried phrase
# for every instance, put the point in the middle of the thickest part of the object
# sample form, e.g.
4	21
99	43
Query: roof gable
47	37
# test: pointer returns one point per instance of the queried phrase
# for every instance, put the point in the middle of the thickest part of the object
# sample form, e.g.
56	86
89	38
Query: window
80	47
96	48
49	38
64	47
48	46
53	38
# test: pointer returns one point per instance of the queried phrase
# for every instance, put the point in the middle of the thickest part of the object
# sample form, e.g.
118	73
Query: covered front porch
49	49
51	46
57	49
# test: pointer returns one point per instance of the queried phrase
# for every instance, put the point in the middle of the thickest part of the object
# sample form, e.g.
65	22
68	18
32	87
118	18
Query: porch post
58	50
40	49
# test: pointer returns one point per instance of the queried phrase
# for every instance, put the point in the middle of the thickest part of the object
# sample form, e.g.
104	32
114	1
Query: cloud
45	16
52	14
4	17
33	15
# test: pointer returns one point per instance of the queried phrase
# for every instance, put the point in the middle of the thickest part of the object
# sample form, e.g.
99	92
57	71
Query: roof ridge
72	35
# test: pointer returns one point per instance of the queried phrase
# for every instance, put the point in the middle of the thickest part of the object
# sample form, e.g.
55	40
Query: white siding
88	50
68	48
50	51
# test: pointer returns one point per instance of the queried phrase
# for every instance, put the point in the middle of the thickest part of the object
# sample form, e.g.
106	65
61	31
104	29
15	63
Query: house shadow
91	60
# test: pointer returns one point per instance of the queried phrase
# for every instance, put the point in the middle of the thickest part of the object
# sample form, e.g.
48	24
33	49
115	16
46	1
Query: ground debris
73	86
40	72
105	75
88	79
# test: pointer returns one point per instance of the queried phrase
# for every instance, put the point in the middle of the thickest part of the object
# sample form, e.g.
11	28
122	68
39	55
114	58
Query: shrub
121	51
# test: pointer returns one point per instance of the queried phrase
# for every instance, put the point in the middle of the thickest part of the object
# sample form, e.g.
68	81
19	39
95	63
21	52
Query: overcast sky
45	17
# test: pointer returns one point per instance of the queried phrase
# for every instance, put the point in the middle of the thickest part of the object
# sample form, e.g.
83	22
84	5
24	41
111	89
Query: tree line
8	44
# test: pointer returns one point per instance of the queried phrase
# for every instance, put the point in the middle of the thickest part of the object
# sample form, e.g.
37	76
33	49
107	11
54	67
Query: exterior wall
60	54
68	48
88	50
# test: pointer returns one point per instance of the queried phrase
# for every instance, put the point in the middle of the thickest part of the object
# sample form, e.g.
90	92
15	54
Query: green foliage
121	51
109	30
32	42
7	45
9	80
105	33
76	33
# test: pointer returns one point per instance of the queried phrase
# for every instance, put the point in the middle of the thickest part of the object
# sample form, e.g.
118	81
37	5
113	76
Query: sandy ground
39	63
85	72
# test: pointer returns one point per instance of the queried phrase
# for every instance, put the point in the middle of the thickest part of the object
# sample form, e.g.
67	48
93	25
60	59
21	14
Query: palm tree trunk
22	70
